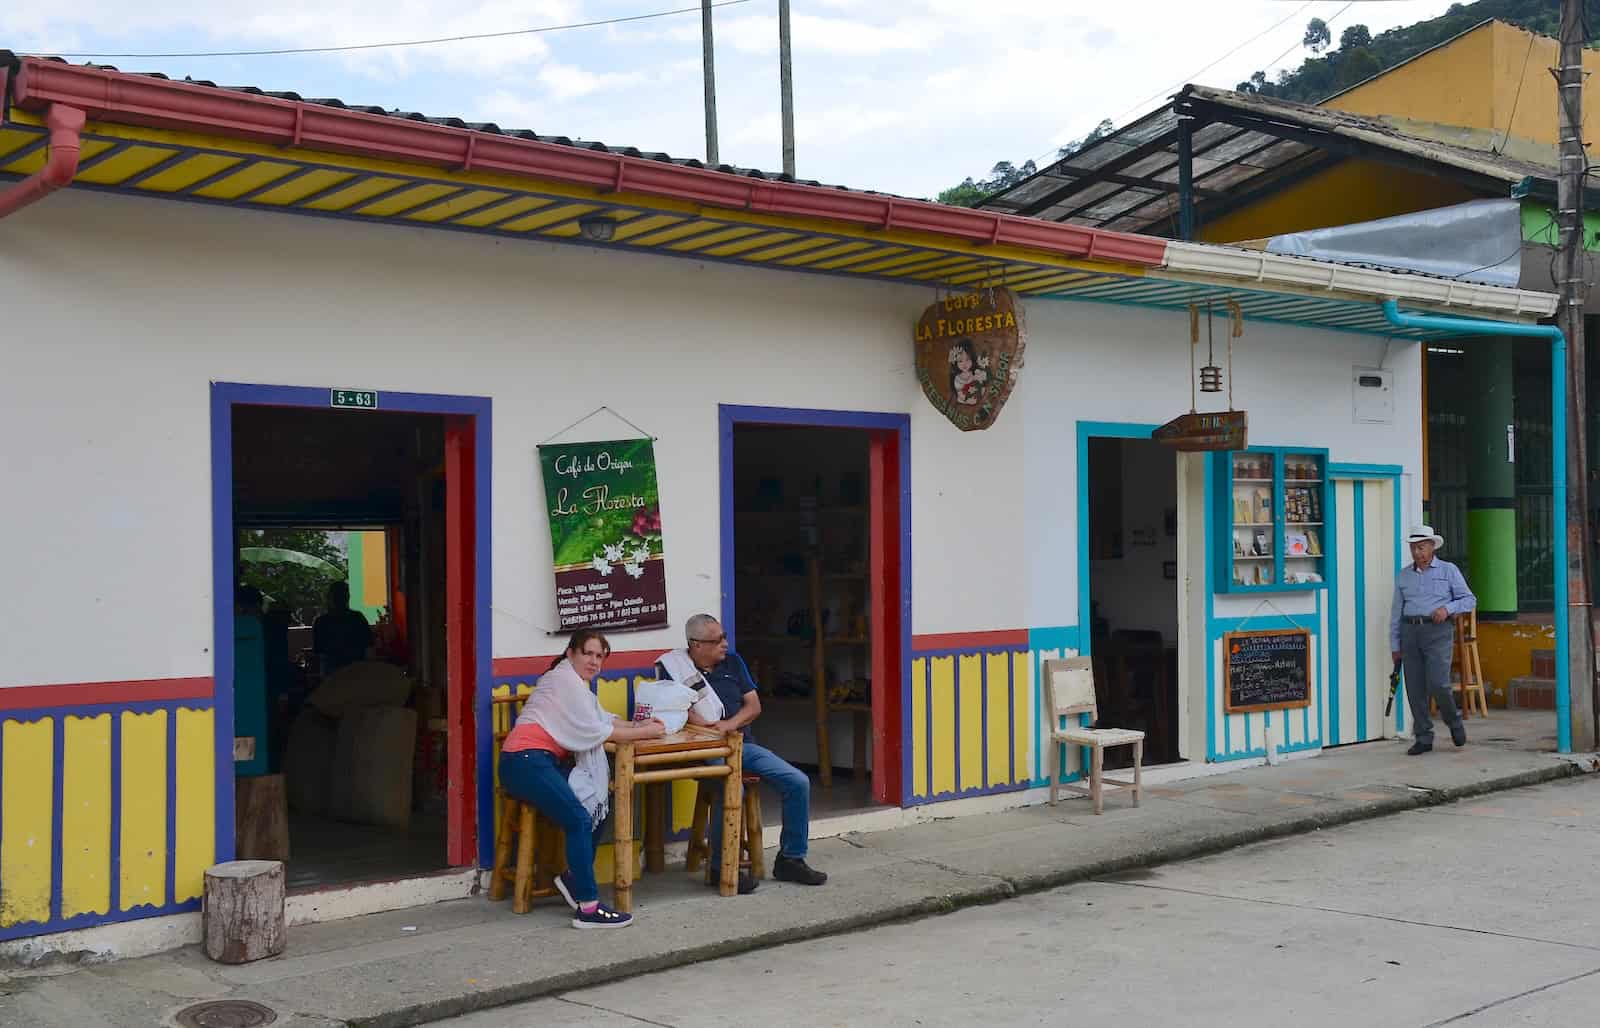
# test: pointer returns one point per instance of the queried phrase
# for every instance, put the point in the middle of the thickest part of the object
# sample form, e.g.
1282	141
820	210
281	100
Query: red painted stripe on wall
505	667
84	694
970	640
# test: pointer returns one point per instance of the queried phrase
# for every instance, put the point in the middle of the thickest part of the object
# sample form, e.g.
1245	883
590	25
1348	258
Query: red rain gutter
66	128
160	103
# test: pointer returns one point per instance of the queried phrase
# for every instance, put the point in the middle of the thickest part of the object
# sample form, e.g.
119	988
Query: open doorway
814	593
354	637
1133	590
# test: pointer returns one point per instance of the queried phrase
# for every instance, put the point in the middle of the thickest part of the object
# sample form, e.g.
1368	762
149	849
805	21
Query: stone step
1532	692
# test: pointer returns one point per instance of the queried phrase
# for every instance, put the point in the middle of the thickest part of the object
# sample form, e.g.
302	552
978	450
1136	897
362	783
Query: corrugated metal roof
1240	142
10	58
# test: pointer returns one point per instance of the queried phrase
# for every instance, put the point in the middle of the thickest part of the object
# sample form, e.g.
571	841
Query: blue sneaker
601	916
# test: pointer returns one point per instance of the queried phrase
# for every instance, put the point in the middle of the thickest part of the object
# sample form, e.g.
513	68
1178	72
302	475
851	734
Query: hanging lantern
1210	375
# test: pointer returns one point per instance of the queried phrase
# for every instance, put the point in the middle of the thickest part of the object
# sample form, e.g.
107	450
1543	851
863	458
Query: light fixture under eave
597	228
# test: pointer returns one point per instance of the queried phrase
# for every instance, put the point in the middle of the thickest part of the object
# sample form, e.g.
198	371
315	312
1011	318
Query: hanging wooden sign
969	353
1220	430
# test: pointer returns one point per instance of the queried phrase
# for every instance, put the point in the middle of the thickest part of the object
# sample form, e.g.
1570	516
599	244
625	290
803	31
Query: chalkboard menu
1267	670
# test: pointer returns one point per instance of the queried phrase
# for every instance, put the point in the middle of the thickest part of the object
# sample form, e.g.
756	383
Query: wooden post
622	837
242	911
732	801
655	827
261	818
527	840
819	677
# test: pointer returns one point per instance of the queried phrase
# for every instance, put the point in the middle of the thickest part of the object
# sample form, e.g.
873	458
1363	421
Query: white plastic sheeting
1478	241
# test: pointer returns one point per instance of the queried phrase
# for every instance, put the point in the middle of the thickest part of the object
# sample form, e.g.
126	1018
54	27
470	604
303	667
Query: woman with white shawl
562	723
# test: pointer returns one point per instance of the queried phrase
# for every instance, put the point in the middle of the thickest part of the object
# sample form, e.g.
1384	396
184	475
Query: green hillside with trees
1329	70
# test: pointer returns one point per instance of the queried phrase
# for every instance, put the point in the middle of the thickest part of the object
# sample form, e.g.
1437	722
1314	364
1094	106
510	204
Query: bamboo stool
750	845
1471	666
541	855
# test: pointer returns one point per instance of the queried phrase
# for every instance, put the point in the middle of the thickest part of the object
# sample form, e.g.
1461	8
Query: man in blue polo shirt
1428	594
730	679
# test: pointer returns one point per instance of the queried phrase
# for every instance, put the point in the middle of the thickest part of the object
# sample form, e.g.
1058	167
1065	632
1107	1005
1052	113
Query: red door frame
889	468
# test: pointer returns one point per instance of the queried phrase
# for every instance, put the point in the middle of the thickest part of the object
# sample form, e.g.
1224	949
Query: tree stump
261	818
242	911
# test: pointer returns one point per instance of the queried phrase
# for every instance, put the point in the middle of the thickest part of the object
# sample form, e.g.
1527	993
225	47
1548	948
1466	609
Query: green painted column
1491	477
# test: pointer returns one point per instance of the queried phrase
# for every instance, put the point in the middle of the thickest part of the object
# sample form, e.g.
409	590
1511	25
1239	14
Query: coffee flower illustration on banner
631	553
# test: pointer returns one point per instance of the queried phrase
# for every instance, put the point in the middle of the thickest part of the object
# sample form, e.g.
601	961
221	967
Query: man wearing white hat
1428	594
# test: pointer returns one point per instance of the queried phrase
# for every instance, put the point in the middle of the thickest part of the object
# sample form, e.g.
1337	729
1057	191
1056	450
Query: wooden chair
539	844
1469	680
750	845
1071	692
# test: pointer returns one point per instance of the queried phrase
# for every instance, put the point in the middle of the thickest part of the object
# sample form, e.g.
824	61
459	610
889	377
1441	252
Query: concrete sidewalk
409	967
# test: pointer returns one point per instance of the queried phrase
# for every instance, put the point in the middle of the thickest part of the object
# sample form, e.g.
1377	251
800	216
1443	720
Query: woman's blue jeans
536	777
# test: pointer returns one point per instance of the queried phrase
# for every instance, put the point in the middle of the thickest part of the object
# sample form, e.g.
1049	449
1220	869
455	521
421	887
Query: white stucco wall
115	313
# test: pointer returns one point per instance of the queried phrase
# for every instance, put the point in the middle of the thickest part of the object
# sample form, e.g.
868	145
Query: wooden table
681	755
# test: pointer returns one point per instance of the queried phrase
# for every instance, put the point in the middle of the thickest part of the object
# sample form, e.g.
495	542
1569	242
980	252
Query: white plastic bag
667	701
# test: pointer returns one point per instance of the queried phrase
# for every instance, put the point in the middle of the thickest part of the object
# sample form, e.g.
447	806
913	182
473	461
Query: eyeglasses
710	642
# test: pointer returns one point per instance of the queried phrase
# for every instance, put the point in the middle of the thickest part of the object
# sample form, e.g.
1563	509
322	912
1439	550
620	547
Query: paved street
1477	914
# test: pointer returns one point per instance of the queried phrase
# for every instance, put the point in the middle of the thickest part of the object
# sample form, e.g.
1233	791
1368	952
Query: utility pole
1573	290
786	87
707	50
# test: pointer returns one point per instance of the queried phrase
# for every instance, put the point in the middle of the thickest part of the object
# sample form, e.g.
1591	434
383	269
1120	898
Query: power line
410	42
1194	75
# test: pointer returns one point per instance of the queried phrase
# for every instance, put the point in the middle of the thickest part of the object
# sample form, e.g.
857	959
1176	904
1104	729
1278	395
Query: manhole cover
225	1013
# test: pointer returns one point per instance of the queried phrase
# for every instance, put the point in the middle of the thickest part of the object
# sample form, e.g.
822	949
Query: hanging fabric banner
605	534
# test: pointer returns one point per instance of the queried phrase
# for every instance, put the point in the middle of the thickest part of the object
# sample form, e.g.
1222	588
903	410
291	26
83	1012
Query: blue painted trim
1011	717
222	578
1094	430
1361	608
224	395
1558	463
483	620
1223	468
1063	637
95	709
927	712
115	863
955	666
983	715
1335	642
1365	470
172	804
26	929
968	651
58	788
1209	558
1399	546
730	415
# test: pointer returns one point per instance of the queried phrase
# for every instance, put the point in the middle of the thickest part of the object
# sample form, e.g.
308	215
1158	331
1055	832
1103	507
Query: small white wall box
1373	392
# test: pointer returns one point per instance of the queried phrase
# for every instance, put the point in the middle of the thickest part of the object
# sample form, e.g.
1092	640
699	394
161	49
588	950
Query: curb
994	891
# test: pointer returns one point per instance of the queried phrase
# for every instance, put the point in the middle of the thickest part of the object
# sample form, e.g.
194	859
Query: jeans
1425	651
793	787
536	777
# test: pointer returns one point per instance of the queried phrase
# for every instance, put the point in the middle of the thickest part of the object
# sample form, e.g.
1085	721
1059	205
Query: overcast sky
907	96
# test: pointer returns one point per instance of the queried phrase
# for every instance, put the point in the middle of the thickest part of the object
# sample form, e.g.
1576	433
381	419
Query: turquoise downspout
1558	471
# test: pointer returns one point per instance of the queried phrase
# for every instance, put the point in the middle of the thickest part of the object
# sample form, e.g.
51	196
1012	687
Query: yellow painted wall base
1506	649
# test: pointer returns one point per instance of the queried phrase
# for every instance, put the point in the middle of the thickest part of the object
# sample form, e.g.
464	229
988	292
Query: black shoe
1458	735
747	882
795	869
1419	748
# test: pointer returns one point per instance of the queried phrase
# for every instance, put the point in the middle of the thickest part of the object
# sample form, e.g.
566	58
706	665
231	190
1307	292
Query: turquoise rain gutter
1558	471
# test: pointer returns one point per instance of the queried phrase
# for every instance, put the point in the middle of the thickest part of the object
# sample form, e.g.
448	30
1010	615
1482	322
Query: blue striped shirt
1418	592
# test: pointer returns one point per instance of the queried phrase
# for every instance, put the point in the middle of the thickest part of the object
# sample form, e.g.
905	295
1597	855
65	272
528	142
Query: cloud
907	97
